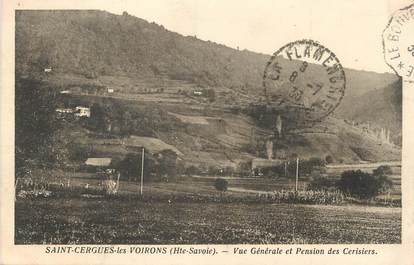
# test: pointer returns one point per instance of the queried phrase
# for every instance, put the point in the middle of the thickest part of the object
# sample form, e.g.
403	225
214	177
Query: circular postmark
306	76
398	43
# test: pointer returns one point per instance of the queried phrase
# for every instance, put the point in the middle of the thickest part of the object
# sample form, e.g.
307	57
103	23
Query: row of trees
357	183
288	168
162	165
39	136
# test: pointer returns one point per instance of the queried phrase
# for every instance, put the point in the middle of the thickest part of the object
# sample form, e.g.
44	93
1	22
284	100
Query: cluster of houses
94	90
76	112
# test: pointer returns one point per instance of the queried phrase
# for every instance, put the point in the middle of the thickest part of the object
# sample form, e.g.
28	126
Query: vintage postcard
207	132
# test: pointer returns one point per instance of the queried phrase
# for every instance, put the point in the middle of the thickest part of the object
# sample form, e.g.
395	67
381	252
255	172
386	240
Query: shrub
221	184
110	186
329	159
363	185
382	170
384	183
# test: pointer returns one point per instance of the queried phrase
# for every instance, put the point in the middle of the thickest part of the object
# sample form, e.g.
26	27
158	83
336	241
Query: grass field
124	219
199	185
112	221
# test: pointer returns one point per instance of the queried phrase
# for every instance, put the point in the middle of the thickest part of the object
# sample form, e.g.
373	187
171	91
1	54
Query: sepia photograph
133	126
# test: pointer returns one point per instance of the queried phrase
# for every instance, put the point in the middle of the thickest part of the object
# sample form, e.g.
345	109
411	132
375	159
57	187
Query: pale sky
352	29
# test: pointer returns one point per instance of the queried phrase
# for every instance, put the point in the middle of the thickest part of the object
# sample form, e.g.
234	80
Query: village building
82	112
258	164
197	93
64	110
101	162
64	113
100	165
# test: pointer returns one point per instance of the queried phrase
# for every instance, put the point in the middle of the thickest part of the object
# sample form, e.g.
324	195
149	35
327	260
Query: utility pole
142	170
297	174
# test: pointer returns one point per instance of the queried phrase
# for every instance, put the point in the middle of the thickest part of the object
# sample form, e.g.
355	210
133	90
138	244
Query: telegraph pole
142	170
297	174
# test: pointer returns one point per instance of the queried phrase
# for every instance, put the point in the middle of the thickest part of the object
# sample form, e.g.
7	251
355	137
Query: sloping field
154	145
191	119
214	136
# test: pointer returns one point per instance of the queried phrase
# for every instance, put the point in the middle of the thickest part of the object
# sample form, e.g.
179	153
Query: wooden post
117	180
142	171
297	174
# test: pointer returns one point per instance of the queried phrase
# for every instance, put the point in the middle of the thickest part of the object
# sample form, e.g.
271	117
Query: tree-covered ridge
99	43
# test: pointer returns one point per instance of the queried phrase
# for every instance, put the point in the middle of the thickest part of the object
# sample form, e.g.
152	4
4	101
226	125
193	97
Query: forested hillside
96	49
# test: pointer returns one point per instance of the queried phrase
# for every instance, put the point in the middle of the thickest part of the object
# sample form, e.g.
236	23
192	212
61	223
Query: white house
198	93
63	110
98	161
82	112
48	70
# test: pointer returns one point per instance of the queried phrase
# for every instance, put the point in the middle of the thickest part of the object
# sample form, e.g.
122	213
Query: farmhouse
98	162
64	110
64	113
259	164
100	165
197	93
82	112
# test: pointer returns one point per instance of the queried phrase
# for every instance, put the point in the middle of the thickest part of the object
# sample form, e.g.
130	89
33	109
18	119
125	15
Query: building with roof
98	161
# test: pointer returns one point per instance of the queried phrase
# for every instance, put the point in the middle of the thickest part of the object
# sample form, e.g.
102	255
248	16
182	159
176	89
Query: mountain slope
382	108
98	43
95	45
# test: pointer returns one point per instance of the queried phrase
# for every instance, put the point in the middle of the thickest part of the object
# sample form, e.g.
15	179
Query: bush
221	184
329	159
384	183
363	185
382	170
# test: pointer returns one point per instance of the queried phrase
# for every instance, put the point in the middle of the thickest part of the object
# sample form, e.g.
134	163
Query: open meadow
118	221
190	210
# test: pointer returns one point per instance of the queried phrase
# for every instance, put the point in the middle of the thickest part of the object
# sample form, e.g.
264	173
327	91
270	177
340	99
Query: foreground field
116	221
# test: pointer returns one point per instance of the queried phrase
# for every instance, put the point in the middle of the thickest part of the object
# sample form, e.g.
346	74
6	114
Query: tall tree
35	124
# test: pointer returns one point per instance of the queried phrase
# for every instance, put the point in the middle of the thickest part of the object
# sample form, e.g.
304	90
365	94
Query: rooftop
98	162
